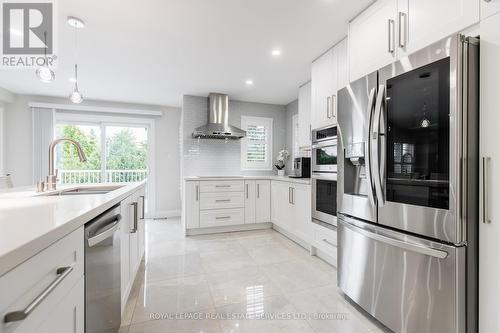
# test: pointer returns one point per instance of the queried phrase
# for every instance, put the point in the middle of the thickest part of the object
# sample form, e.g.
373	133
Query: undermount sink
86	190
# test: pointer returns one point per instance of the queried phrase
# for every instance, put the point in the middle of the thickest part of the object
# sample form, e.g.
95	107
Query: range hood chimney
218	116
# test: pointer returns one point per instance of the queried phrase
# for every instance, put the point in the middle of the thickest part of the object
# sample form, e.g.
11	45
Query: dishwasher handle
112	228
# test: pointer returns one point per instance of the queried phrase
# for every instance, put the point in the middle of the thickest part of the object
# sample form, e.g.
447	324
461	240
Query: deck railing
96	176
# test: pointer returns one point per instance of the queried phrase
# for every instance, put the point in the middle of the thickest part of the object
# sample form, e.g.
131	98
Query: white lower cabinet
132	241
57	270
226	203
262	201
325	240
291	208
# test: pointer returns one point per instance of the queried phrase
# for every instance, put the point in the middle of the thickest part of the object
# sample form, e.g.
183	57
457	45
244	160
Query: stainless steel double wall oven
324	175
408	190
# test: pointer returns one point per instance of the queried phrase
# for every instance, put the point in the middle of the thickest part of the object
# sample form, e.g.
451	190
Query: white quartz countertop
306	181
30	222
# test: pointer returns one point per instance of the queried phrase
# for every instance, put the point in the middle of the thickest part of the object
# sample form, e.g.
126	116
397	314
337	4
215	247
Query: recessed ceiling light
249	82
276	53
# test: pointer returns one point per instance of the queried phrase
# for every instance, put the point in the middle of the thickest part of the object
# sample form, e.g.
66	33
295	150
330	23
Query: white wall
291	109
215	157
18	146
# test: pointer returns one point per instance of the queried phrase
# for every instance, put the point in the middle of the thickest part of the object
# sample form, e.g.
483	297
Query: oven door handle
328	143
332	177
368	163
378	162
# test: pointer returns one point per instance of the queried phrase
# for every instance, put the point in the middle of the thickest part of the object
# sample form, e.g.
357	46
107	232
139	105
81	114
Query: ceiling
155	51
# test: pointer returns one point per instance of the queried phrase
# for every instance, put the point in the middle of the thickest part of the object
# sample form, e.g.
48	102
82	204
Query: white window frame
268	163
102	120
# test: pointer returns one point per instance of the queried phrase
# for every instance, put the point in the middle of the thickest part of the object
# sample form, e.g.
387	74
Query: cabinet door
489	7
489	232
192	205
324	88
250	197
342	65
302	212
372	39
280	203
68	315
305	115
263	201
423	22
125	210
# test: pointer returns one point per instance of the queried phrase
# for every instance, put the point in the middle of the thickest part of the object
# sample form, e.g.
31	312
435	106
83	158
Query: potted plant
281	160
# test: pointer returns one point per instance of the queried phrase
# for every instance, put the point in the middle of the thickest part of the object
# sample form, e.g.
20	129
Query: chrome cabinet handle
390	36
222	217
289	195
62	273
247	191
485	203
402	32
333	107
222	200
134	229
197	192
328	105
258	191
222	185
143	210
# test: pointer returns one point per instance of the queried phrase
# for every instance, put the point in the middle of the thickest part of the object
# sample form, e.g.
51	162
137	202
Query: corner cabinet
489	225
390	29
291	208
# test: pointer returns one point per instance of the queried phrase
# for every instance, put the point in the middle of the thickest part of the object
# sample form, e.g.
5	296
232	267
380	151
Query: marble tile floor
255	281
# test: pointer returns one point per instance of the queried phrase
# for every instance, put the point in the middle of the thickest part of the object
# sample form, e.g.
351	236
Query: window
256	147
115	153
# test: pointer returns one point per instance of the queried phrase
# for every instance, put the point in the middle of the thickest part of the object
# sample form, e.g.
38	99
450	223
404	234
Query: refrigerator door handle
368	162
378	155
429	251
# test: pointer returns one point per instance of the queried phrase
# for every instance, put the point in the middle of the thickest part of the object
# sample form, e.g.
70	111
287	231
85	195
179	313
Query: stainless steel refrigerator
408	190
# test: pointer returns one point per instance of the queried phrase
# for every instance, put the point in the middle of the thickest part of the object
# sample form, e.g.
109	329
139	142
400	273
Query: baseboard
164	214
229	228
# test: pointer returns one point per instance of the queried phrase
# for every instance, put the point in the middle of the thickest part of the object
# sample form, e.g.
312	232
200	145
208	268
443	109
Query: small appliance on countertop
301	167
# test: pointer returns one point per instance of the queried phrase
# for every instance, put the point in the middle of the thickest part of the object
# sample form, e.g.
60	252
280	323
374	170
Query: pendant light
76	96
44	73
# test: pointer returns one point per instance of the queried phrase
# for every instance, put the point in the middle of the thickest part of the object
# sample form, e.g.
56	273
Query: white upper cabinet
342	64
324	89
423	22
305	115
489	226
489	7
372	38
391	29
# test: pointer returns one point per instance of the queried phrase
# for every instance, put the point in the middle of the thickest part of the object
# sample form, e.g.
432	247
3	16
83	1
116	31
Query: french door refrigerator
408	190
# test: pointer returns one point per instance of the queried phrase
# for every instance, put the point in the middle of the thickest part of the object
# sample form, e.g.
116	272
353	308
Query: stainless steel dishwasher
102	273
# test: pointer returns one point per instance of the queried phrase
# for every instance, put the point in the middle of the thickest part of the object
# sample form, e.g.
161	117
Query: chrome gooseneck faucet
52	177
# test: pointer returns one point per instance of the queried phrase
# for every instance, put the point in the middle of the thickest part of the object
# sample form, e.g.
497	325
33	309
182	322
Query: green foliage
124	152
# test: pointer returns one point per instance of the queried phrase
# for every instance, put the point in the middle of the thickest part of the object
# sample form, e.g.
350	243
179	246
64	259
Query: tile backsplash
215	157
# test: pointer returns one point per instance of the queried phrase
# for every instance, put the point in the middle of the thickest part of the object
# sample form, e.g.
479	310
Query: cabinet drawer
61	266
219	200
326	240
222	217
222	186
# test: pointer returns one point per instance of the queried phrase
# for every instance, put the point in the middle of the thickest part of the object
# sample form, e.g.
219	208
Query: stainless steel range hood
218	126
